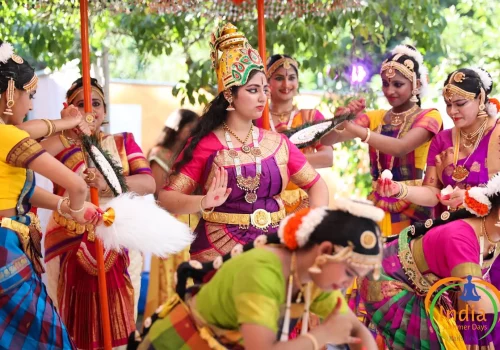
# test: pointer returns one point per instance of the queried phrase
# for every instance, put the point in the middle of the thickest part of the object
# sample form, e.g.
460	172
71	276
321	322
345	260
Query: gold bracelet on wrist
50	127
313	340
368	134
203	211
403	191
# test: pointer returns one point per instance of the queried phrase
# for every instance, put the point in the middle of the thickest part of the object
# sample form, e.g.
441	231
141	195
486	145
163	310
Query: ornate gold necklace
283	117
244	147
401	129
460	173
249	184
398	118
471	137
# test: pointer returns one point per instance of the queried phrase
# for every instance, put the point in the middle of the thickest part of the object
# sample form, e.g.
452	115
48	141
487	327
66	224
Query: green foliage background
174	47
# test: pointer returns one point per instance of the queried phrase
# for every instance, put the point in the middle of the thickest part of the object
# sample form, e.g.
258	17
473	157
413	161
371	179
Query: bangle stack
51	127
203	211
403	191
313	340
368	134
60	203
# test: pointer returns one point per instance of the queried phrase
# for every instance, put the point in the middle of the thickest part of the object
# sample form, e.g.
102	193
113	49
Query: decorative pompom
142	225
309	223
405	50
173	120
447	190
6	52
476	201
359	208
386	174
484	76
287	231
493	186
491	109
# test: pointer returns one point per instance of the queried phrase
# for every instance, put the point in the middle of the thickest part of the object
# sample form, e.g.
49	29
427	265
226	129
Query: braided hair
214	114
355	226
10	68
479	201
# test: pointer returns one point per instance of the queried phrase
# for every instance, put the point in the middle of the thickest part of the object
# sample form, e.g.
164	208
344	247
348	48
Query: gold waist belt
17	227
260	218
407	183
72	226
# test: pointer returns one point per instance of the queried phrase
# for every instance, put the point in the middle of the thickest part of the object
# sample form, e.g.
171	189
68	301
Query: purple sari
281	162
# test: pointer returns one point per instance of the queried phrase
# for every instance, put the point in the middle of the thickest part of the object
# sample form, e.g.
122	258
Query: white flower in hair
309	224
359	208
6	52
478	194
173	120
493	186
484	76
491	109
405	50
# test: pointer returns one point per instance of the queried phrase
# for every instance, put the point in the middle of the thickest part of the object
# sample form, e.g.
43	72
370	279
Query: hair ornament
476	201
173	120
6	52
407	51
484	76
359	208
493	186
492	107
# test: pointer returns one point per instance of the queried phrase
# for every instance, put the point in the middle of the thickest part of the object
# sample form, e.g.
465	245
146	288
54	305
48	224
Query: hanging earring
10	97
482	107
316	268
229	98
497	224
415	90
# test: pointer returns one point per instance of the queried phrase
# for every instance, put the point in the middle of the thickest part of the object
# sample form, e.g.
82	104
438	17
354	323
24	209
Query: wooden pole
261	24
94	196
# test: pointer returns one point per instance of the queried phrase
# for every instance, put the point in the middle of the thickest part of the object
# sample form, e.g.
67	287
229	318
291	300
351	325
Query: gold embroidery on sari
420	282
22	153
182	183
304	176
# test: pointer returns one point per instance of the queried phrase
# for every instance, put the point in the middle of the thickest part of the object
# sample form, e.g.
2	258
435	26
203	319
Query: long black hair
338	227
213	116
471	83
421	228
169	135
416	65
20	73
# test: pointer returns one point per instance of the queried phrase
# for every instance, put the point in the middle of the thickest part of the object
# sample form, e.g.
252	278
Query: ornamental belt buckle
260	218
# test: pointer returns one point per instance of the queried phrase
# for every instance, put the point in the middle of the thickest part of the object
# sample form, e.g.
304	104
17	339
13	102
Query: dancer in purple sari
241	169
462	157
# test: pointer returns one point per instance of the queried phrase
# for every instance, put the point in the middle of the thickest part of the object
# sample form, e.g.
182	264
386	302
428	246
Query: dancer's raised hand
218	192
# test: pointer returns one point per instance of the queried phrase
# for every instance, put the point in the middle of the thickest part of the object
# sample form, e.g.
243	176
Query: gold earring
229	98
482	113
10	97
316	268
497	224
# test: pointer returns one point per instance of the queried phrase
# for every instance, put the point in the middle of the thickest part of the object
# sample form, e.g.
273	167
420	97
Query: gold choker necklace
398	118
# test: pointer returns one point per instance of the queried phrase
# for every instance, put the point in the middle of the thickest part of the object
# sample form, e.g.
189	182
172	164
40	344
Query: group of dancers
272	253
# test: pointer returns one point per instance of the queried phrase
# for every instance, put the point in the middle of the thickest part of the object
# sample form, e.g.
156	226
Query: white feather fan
142	225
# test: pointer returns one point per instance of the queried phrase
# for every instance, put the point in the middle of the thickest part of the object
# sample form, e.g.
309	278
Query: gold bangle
368	134
203	211
339	131
54	128
107	191
77	210
313	339
50	129
403	191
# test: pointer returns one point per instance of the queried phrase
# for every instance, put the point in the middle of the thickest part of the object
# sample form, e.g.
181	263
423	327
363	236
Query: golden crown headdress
237	59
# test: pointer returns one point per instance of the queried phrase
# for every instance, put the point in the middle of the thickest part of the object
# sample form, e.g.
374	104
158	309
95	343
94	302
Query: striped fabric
171	328
28	319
